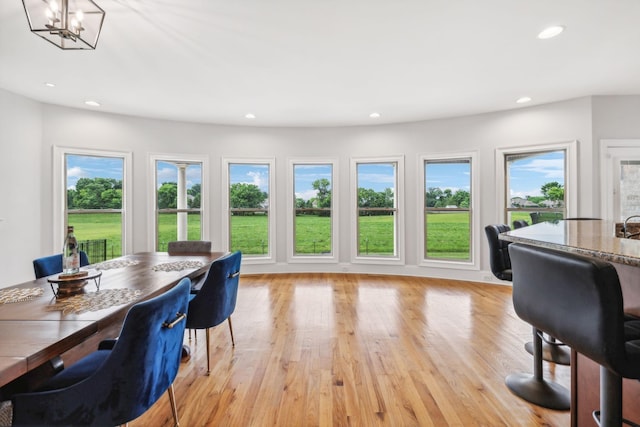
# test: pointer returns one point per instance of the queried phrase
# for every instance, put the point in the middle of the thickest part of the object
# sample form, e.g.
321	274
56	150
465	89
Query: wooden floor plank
361	350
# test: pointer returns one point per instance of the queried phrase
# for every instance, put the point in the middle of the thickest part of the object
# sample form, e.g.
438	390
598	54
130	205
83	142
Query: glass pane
629	188
250	233
312	228
249	203
535	182
179	186
448	184
313	234
376	234
448	235
376	185
377	222
168	228
98	234
93	183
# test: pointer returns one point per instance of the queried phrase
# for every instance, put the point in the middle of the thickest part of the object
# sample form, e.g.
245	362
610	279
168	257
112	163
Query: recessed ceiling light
47	84
523	100
250	116
374	115
92	103
550	32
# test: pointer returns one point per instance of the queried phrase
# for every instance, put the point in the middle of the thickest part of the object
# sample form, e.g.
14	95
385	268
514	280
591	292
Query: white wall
558	122
22	214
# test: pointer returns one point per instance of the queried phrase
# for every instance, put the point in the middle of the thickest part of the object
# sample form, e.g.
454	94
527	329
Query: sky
92	167
527	174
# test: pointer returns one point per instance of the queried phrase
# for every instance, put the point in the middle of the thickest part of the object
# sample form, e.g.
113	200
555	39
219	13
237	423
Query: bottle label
74	261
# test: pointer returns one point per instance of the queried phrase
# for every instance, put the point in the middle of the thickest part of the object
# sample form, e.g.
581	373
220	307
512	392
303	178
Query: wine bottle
70	255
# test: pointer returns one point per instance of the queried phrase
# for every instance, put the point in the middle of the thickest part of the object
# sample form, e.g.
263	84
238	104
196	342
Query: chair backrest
573	298
189	246
498	251
52	264
216	300
519	223
139	369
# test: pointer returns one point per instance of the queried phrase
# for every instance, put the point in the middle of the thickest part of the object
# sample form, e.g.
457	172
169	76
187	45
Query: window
378	224
94	198
251	214
537	183
447	209
312	203
178	201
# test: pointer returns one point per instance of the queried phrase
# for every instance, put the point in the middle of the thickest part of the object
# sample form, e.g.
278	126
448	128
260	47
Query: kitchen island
594	238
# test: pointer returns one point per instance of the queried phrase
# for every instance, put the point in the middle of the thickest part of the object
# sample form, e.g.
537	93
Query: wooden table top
35	330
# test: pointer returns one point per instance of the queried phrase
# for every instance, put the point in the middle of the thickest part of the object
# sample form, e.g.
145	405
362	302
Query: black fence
96	250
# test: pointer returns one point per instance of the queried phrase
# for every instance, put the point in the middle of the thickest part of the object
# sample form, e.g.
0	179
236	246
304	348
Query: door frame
610	150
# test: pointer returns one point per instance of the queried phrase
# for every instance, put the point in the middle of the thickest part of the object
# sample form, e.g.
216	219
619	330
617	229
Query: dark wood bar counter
597	239
40	327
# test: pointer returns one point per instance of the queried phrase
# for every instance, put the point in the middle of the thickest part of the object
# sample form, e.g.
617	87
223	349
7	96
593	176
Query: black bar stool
552	350
579	301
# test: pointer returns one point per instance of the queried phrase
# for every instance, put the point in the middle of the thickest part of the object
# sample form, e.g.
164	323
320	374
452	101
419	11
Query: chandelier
68	24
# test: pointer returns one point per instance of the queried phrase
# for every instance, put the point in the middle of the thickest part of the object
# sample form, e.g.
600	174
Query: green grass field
447	233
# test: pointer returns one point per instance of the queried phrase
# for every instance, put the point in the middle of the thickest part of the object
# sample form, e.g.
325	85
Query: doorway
620	166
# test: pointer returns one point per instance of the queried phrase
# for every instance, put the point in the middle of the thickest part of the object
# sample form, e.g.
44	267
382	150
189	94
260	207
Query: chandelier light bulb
79	15
53	5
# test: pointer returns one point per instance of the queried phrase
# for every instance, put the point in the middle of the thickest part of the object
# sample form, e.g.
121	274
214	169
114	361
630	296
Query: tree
323	192
246	196
369	198
95	193
461	199
433	195
168	195
439	198
195	192
302	203
553	191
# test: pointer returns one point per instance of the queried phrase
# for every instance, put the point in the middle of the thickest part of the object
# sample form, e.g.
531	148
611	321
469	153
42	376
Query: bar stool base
547	394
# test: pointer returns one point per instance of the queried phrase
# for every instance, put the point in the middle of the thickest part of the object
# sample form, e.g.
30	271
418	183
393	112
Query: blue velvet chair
115	386
216	300
52	264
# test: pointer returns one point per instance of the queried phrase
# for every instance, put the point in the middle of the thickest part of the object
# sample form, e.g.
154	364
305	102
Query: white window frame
291	256
59	193
474	262
399	258
270	257
571	175
153	193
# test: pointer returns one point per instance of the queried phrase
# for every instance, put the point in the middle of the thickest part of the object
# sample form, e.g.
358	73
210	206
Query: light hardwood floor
361	350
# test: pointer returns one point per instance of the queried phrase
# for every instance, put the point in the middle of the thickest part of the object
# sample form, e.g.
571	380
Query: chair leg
174	408
610	398
534	388
208	358
552	351
233	343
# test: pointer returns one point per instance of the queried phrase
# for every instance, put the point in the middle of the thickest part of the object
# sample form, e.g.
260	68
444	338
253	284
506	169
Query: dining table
43	329
599	239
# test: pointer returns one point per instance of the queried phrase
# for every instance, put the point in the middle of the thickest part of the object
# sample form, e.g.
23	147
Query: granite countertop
594	238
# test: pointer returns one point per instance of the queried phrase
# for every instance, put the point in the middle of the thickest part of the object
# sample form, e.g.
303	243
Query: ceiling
328	62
